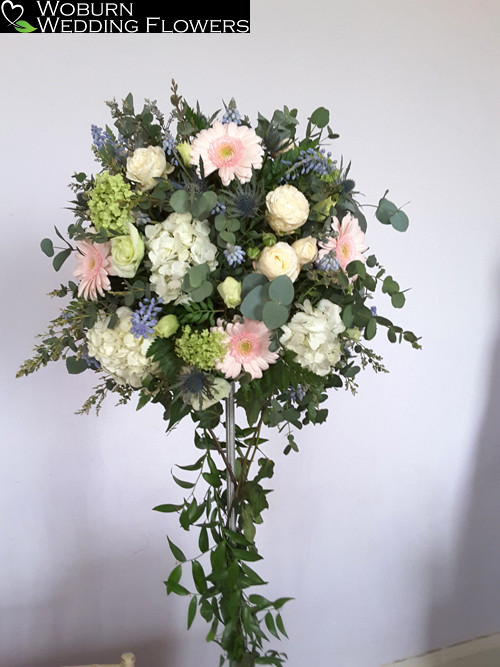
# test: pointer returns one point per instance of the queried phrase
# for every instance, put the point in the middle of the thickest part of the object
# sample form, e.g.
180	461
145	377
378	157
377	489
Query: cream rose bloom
279	259
127	253
306	250
120	353
145	165
287	209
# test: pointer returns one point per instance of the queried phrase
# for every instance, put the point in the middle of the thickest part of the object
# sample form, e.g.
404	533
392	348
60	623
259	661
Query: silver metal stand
231	455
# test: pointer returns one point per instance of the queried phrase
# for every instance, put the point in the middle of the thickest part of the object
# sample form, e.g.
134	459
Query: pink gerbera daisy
248	349
348	243
231	149
94	265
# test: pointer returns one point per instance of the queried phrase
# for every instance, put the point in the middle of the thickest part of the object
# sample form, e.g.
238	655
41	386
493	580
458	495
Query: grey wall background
384	528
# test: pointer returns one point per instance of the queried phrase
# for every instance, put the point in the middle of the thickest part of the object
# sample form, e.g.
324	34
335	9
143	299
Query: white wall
385	526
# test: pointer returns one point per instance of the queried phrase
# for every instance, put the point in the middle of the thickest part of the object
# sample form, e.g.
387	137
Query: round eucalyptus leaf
281	290
252	304
274	315
252	280
179	201
399	221
202	292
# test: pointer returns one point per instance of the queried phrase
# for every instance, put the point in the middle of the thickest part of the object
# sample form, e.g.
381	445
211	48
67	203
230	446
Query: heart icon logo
8	5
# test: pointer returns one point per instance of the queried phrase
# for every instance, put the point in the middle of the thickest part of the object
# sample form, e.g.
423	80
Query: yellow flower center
245	347
226	151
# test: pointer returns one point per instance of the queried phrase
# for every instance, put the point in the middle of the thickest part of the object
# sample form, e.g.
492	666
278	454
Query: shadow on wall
471	607
83	624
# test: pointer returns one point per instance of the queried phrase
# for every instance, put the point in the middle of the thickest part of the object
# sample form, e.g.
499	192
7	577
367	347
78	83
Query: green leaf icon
24	26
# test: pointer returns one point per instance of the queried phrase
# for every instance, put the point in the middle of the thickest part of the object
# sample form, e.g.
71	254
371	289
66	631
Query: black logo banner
59	16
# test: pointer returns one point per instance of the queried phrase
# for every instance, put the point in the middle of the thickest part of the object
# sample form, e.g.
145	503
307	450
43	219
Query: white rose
278	260
306	249
146	165
287	209
127	253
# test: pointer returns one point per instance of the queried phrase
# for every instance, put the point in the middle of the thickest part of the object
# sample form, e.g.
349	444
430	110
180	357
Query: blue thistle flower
145	318
234	254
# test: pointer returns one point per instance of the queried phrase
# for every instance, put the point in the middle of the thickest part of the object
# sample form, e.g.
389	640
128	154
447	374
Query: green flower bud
269	239
253	253
354	334
166	326
184	150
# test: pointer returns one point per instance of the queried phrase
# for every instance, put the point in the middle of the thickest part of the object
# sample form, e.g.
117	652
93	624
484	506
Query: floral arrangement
219	264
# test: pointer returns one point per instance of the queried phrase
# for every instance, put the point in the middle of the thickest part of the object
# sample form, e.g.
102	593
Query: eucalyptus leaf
281	290
179	201
47	247
320	117
399	220
274	315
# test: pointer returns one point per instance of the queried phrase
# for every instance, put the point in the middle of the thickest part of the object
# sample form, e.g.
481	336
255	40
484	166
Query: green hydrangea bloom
110	203
201	348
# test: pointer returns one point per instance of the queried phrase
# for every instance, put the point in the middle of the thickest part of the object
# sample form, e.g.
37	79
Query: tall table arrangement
221	268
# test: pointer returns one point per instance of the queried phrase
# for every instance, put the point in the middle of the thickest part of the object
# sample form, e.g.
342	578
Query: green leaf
271	625
202	292
193	605
371	329
182	483
76	366
199	577
179	201
356	268
385	210
24	26
47	247
60	258
398	299
280	625
281	290
274	315
203	540
399	221
320	117
168	507
176	552
251	281
252	304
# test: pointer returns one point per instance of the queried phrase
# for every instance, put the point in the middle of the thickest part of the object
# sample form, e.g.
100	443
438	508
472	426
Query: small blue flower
169	148
218	208
142	218
145	318
328	262
234	254
231	116
296	394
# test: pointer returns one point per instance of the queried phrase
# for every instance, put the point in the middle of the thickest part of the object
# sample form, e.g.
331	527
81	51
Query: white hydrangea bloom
174	246
119	352
313	334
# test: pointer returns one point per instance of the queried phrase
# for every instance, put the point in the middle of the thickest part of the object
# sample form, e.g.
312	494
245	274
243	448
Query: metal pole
231	455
